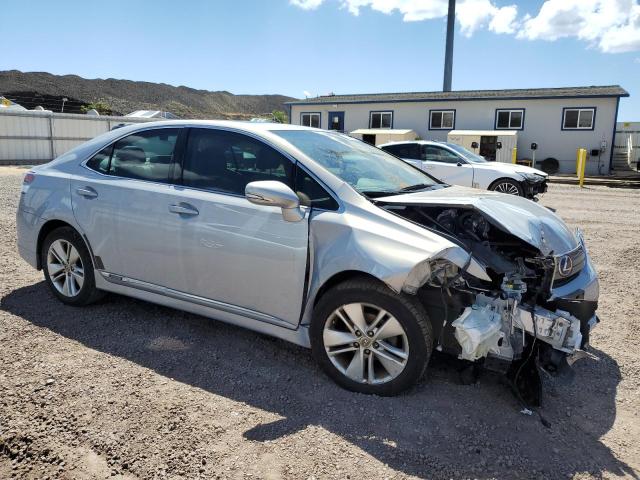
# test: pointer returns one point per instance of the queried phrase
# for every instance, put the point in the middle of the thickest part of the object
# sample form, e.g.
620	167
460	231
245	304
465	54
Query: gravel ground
127	389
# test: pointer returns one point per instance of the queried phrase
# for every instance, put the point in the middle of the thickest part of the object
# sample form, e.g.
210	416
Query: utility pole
448	55
65	99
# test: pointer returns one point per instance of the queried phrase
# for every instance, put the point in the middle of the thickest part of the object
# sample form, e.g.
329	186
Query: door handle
87	192
183	209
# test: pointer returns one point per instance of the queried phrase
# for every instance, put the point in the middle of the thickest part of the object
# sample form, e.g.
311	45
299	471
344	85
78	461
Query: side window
227	161
100	161
311	193
436	154
405	150
145	155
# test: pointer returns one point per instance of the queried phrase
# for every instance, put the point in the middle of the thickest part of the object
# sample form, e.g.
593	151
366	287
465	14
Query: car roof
406	142
244	125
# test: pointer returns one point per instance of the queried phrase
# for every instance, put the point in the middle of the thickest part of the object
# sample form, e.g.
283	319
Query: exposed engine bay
510	322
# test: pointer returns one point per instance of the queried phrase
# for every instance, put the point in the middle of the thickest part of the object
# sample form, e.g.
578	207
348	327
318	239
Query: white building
558	120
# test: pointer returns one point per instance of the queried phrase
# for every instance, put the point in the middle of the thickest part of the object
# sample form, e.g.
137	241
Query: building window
310	119
381	120
442	119
510	119
578	118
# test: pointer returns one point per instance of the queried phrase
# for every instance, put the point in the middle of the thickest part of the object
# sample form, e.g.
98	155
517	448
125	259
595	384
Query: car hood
510	168
527	220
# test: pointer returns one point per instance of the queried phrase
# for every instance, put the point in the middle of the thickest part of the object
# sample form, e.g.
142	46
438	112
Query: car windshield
469	155
369	170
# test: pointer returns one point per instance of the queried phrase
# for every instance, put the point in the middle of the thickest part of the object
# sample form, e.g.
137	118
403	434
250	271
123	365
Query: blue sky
318	46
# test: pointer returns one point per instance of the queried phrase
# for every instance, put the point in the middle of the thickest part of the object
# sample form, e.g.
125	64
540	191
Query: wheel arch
51	225
341	277
501	179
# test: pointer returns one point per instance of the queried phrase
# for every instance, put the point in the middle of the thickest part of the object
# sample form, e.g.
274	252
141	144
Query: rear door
231	251
120	203
447	166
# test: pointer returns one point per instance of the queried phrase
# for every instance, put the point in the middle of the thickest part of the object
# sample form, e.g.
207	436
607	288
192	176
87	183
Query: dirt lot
131	390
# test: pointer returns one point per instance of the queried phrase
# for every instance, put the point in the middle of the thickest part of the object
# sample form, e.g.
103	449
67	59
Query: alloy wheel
506	187
65	268
366	343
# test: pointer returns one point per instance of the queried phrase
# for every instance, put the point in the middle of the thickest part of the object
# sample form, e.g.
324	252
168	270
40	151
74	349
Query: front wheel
369	339
507	185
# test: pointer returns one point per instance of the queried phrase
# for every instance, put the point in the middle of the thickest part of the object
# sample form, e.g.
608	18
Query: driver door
447	166
244	257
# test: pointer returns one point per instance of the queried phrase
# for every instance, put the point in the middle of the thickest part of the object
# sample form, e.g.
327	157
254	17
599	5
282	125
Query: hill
124	96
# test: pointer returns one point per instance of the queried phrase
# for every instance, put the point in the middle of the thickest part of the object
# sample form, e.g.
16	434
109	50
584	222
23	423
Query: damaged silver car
316	238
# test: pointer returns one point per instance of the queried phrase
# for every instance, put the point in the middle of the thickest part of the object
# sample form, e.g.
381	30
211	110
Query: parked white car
455	165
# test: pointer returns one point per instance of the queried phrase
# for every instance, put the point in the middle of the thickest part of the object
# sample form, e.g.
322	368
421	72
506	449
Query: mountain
125	96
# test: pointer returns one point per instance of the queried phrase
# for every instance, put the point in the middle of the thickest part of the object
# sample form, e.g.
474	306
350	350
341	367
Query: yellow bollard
583	164
514	155
578	153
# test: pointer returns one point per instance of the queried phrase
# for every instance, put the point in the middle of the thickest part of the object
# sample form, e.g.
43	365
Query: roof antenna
448	55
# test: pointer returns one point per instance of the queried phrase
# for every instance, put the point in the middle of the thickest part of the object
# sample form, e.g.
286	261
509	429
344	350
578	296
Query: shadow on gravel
439	429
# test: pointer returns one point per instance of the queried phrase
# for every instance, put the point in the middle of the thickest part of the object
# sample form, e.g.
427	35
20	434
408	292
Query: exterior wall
542	123
33	137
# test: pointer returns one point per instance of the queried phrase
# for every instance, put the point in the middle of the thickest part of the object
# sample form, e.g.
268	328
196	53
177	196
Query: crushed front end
533	310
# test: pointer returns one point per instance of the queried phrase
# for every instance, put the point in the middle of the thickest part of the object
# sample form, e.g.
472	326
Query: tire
73	283
508	186
416	342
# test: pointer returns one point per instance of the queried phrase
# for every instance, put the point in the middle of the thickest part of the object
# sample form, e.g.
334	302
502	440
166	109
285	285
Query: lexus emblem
565	266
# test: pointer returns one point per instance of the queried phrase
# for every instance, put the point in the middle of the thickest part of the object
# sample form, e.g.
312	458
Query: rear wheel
507	185
369	339
67	267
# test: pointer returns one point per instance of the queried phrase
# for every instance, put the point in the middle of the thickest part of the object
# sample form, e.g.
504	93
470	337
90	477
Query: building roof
386	131
510	94
488	133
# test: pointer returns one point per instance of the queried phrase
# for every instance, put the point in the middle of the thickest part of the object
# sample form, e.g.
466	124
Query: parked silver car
316	238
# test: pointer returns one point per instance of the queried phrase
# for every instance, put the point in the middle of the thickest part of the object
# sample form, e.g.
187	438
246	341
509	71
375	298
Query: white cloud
306	4
612	26
475	14
306	94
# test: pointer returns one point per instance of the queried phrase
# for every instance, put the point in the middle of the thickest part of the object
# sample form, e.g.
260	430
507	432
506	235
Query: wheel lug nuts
375	345
367	351
356	344
370	333
358	333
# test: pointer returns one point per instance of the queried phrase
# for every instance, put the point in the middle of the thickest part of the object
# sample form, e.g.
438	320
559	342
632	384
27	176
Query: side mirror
275	194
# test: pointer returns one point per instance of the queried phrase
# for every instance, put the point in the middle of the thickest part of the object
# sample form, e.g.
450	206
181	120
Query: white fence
34	137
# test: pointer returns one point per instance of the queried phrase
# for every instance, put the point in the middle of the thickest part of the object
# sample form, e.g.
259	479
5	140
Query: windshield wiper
413	188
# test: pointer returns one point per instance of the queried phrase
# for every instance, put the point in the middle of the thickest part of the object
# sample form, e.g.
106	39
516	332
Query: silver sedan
316	238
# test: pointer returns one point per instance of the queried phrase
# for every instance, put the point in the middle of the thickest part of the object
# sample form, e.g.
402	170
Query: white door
446	166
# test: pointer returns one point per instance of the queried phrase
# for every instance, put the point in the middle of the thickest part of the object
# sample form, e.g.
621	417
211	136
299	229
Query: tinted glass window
435	154
311	120
100	161
407	150
571	119
311	193
585	119
516	119
381	120
227	161
503	119
441	119
145	155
